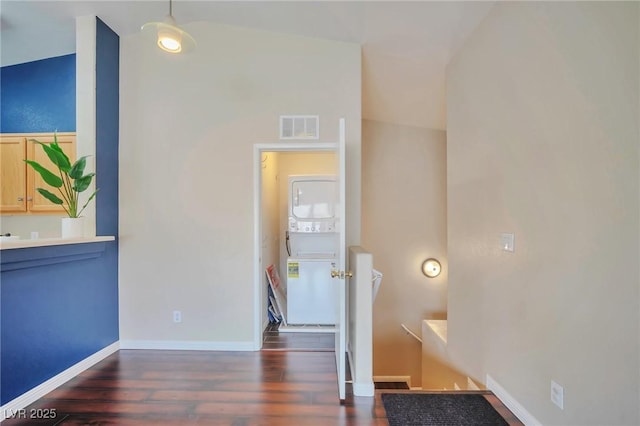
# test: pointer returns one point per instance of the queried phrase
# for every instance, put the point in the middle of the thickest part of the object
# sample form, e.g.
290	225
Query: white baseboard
31	396
521	413
187	345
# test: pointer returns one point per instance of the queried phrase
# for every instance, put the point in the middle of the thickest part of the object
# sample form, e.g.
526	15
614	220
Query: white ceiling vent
299	127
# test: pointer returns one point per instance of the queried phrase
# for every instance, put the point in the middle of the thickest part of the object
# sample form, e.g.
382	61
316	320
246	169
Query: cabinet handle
29	198
20	198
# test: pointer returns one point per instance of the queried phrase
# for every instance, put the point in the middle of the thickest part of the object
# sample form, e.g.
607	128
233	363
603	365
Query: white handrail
414	335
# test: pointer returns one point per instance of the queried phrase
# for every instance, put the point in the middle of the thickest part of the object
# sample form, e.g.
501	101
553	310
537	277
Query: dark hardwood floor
142	387
274	340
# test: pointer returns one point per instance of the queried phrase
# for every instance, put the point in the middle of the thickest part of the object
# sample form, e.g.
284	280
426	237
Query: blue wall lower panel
54	316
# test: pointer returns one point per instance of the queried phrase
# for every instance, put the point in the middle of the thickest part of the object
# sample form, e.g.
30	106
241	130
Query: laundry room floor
275	340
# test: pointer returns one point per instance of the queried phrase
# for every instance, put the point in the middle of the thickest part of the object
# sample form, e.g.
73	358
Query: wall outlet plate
508	242
177	316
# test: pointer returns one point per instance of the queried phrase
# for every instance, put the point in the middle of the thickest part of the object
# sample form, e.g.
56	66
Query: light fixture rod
170	8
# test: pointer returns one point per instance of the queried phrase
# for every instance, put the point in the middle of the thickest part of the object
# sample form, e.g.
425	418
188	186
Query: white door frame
258	271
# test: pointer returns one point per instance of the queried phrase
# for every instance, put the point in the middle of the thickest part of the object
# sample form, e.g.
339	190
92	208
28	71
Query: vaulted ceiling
406	46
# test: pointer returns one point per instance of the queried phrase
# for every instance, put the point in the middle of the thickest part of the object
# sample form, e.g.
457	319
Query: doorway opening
273	164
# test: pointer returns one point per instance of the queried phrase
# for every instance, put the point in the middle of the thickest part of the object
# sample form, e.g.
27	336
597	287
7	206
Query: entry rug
432	409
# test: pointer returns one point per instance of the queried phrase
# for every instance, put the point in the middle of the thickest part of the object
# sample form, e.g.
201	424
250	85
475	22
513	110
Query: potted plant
69	180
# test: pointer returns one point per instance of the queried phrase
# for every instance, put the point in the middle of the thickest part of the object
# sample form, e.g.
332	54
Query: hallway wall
543	141
404	223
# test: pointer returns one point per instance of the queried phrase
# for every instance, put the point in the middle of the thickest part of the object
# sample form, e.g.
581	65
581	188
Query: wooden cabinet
18	181
13	174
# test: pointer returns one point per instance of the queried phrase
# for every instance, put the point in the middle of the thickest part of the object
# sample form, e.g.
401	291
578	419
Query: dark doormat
427	409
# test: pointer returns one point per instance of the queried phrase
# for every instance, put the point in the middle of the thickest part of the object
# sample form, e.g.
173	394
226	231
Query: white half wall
360	326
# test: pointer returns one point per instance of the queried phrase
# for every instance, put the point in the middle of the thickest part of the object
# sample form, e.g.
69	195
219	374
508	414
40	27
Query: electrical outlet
557	394
507	242
177	316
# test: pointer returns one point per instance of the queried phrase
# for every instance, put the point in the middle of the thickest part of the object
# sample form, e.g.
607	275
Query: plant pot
72	227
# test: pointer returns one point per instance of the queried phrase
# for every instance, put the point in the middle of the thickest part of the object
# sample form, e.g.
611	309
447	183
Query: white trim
86	39
521	413
293	146
56	381
42	242
350	361
187	345
359	388
257	273
306	328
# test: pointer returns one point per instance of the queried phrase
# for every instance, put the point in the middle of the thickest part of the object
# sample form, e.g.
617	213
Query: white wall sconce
431	267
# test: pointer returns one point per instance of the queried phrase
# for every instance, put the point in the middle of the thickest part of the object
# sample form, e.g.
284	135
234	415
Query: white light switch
507	242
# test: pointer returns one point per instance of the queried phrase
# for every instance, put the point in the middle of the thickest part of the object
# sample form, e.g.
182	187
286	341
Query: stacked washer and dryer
312	246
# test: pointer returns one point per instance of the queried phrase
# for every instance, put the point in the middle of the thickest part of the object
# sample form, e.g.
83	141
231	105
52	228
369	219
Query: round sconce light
431	267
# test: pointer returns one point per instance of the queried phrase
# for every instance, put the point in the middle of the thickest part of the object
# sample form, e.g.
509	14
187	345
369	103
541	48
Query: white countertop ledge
44	242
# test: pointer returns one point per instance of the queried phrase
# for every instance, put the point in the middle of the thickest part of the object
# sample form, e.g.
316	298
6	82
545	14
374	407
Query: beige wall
188	126
403	223
543	142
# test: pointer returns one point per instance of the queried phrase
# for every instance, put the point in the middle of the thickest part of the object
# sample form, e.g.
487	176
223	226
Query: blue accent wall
39	96
107	128
59	305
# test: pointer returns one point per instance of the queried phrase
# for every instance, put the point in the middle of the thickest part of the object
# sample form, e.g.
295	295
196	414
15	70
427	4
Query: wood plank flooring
274	340
141	387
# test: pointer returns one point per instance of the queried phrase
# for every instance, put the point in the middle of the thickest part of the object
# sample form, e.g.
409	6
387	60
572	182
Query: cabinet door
37	203
13	181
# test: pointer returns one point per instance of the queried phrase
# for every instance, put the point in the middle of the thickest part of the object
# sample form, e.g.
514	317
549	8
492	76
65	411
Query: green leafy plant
70	180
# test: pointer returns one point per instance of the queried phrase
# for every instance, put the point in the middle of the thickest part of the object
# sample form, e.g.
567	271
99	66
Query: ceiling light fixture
170	37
